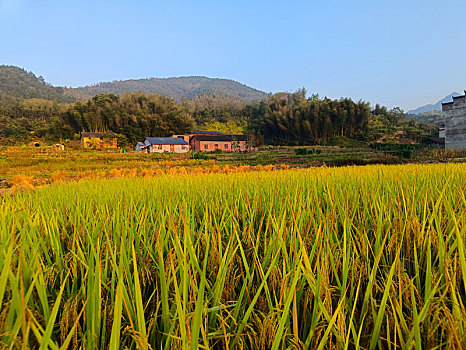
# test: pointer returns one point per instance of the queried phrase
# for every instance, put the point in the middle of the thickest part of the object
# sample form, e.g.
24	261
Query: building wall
97	142
184	137
169	148
455	123
181	148
209	146
225	146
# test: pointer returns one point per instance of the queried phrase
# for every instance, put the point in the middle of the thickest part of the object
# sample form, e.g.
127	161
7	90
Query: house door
172	148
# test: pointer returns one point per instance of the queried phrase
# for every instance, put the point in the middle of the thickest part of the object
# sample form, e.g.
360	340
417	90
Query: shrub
200	155
300	151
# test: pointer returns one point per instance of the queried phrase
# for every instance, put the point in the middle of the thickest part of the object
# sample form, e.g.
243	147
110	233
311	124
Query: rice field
345	258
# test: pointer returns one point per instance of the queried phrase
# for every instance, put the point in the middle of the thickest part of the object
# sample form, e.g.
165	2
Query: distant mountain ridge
434	107
16	82
177	88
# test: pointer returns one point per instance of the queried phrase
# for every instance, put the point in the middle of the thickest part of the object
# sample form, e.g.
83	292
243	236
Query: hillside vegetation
433	117
16	82
177	88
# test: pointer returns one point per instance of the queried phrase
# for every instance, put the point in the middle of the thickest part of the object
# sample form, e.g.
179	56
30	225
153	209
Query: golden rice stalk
115	173
21	183
147	173
60	176
133	172
284	166
101	174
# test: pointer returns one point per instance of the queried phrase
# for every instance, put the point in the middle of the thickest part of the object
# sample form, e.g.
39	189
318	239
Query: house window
159	146
226	145
206	146
216	146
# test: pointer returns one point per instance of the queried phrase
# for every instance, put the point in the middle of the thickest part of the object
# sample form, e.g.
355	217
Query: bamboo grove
357	257
281	119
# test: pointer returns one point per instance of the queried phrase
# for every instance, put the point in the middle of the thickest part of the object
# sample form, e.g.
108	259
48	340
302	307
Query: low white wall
167	148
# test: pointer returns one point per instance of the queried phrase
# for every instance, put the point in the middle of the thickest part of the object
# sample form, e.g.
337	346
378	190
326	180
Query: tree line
280	119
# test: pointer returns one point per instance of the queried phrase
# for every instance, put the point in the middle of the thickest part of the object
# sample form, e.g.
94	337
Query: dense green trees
281	119
392	126
134	115
294	119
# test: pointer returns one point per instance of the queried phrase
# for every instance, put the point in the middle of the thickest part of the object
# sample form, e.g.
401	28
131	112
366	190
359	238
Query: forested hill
16	82
177	88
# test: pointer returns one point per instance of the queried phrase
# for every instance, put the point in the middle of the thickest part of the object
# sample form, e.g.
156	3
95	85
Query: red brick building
226	143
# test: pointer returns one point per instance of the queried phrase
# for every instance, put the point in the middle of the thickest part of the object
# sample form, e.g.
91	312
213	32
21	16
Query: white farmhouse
166	144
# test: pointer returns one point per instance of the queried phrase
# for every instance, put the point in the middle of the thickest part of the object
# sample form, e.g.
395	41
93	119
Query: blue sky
397	53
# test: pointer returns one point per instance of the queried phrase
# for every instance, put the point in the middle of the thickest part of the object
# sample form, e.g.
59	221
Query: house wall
455	123
97	142
181	148
169	148
159	148
209	146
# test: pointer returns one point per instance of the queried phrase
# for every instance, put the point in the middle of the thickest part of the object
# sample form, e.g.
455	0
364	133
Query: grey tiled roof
207	132
166	141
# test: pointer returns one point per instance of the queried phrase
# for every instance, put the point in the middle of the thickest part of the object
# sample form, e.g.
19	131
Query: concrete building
98	140
166	144
226	143
454	114
140	147
184	137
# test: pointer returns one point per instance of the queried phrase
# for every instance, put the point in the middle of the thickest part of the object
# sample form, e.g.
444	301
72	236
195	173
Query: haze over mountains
434	107
17	82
